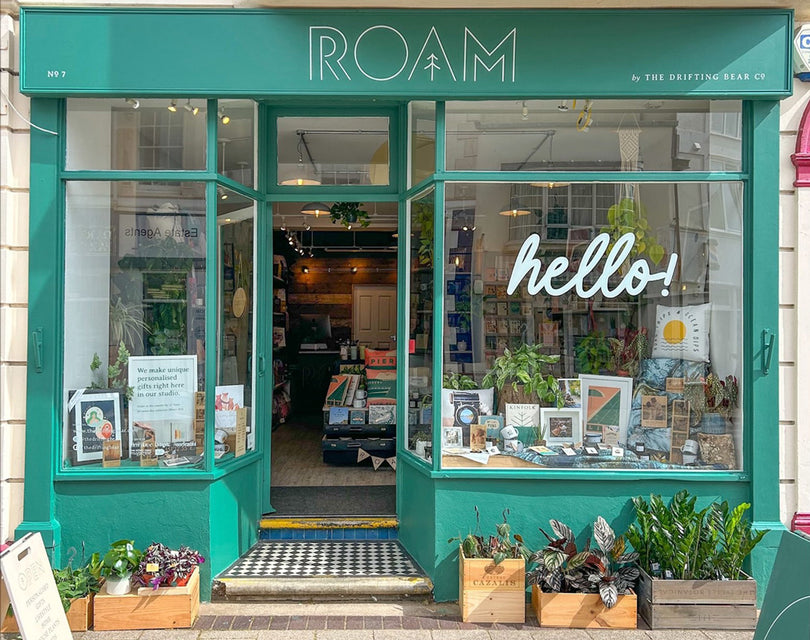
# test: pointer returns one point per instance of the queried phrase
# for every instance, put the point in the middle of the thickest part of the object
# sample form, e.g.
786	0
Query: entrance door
374	315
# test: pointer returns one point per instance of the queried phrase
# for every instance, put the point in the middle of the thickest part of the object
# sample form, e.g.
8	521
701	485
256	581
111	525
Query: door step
323	570
342	528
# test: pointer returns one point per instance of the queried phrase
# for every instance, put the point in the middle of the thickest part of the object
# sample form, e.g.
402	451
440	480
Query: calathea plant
562	568
499	547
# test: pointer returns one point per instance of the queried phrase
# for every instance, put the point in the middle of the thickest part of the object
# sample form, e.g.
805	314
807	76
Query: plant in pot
588	588
524	376
458	381
691	563
163	566
116	374
423	225
348	214
630	216
492	574
118	565
716	400
75	587
628	353
594	354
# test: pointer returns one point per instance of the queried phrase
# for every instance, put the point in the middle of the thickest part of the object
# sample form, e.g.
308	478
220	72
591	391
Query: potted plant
116	374
628	353
118	565
348	214
423	225
161	566
76	589
492	574
524	376
594	354
691	563
591	588
458	381
629	216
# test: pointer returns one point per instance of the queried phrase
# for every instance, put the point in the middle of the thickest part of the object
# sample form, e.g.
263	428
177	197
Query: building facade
87	179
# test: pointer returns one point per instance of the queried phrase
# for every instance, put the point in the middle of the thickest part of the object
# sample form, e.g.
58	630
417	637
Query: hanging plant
629	216
423	222
349	213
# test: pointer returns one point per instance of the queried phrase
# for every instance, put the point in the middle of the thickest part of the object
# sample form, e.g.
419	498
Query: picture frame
653	412
561	426
452	438
571	392
96	417
606	406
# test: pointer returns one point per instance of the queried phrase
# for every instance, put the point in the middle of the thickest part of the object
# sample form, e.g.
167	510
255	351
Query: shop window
315	151
638	360
422	134
134	357
236	133
234	434
420	360
598	135
136	134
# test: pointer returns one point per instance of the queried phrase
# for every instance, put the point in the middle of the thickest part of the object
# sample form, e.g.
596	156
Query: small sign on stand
32	590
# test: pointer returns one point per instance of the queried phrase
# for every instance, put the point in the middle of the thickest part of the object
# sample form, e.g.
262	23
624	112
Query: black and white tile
309	559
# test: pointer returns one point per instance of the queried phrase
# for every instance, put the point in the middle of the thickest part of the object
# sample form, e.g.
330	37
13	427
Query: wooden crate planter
79	616
697	604
583	610
490	592
147	608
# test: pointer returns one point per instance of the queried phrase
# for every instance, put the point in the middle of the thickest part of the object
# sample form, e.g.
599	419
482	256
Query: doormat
371	500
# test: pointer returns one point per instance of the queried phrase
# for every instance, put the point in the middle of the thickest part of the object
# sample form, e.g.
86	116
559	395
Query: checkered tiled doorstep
309	559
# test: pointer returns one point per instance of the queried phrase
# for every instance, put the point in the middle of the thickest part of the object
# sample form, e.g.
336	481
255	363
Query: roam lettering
329	48
635	280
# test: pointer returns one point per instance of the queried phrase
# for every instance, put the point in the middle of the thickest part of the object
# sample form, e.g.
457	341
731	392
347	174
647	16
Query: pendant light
316	209
550	184
514	211
302	176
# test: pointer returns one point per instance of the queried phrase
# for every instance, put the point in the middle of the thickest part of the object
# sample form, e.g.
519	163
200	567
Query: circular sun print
674	331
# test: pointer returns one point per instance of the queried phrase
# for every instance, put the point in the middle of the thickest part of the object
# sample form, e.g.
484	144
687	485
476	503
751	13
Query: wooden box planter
79	616
147	608
697	604
583	610
490	592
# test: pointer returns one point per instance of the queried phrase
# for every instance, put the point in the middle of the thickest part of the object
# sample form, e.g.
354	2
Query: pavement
375	621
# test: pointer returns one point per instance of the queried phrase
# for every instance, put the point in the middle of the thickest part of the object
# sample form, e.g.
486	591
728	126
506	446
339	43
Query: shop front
586	274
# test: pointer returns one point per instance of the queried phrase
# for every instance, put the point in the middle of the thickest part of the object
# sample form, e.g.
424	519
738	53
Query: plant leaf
609	594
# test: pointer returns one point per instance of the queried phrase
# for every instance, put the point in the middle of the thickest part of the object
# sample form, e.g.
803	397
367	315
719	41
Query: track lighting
354	269
133	102
172	106
524	112
283	226
308	227
223	195
224	118
304	269
563	106
191	108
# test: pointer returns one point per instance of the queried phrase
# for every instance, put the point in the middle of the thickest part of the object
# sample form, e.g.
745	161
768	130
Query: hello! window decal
636	278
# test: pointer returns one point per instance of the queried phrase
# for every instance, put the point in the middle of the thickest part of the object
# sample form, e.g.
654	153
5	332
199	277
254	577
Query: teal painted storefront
273	57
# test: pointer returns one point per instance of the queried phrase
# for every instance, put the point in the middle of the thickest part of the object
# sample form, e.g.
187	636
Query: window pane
236	217
423	140
644	356
600	135
236	134
135	277
333	151
135	134
420	361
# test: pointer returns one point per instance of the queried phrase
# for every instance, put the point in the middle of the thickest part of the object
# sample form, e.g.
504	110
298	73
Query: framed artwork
452	438
653	412
561	426
606	406
96	419
571	392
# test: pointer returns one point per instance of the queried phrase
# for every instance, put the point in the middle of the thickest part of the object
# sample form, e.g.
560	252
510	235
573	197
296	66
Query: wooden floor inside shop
297	459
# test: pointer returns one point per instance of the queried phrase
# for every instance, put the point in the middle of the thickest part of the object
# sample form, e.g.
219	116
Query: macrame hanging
628	149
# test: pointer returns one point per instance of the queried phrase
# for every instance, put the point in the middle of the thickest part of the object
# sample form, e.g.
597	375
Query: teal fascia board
406	54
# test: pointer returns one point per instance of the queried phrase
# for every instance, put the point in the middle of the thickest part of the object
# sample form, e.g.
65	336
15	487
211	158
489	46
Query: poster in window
96	418
606	406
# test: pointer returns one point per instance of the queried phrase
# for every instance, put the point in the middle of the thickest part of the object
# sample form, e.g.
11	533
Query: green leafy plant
713	395
563	568
529	367
349	213
117	372
127	325
504	544
593	353
629	216
685	543
122	559
75	583
458	381
423	225
627	354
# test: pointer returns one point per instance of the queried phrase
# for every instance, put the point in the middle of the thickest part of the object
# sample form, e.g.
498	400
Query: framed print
606	406
96	419
571	392
452	438
654	412
561	426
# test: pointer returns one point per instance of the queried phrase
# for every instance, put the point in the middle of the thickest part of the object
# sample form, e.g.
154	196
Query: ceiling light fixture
191	108
315	209
223	195
283	226
524	112
514	211
551	184
354	269
305	269
172	106
303	176
133	102
224	118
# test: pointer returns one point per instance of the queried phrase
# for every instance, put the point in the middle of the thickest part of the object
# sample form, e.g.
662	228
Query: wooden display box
147	608
490	592
583	610
79	616
697	604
